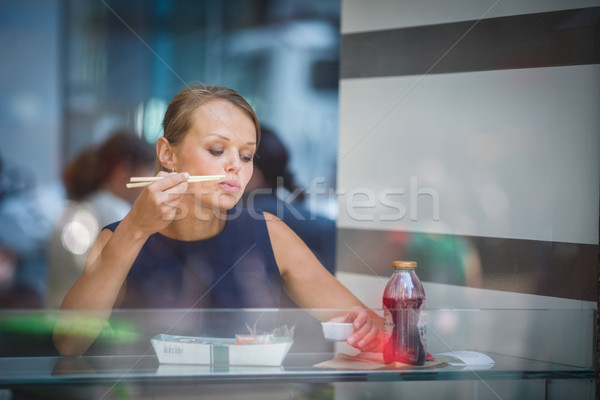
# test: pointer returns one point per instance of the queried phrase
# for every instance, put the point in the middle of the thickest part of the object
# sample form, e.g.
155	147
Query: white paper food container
218	351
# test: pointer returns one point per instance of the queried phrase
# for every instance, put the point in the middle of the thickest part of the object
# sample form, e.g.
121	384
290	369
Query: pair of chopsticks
141	181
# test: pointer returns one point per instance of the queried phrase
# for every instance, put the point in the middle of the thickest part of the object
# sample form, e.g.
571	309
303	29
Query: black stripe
547	39
567	270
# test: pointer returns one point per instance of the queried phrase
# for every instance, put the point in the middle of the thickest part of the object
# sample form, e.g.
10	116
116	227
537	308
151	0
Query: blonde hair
179	115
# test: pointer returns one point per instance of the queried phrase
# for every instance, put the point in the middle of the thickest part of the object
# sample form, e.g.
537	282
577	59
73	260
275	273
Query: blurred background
74	71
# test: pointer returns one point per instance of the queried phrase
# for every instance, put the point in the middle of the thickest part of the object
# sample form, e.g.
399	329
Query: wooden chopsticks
141	181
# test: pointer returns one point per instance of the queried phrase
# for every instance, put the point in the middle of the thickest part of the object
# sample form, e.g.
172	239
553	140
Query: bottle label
388	324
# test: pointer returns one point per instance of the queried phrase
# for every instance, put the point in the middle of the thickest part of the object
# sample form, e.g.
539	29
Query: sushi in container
172	349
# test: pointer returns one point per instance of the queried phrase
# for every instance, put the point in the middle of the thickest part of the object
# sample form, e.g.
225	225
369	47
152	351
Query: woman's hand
368	330
157	205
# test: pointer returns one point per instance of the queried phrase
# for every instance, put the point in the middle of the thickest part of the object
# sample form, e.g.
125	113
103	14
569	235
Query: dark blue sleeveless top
235	269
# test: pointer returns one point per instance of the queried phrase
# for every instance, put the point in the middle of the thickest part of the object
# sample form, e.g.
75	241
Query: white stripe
364	16
511	153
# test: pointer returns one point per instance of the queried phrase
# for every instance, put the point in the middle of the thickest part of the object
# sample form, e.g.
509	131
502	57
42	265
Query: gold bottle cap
404	264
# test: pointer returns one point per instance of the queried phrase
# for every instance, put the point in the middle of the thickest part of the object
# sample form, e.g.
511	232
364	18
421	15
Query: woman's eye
246	158
215	152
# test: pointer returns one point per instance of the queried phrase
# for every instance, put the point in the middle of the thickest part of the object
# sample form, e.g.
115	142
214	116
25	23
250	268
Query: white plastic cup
337	330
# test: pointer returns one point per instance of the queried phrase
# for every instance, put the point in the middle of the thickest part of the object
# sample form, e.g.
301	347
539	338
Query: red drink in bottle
403	300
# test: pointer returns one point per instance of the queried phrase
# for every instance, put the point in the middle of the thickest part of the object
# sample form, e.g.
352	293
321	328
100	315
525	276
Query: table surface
297	367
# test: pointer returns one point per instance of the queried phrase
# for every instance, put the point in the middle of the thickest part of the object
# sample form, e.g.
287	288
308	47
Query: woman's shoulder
276	226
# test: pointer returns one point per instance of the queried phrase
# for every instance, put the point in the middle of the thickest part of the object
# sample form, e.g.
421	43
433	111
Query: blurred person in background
8	258
95	182
270	181
28	212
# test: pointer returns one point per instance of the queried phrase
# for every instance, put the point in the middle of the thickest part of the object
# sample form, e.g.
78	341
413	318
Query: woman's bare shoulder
276	226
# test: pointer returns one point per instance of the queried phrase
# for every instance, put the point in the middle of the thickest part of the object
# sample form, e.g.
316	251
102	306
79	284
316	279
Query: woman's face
221	141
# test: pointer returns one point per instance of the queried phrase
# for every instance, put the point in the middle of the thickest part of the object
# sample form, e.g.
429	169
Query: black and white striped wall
470	141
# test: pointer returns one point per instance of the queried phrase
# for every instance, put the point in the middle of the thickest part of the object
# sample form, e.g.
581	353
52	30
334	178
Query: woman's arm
91	299
89	302
311	286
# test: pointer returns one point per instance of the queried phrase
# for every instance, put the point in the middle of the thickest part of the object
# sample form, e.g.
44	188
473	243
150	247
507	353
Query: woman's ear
165	153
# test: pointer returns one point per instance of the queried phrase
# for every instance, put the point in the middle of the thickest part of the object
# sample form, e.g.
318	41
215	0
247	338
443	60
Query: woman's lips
230	186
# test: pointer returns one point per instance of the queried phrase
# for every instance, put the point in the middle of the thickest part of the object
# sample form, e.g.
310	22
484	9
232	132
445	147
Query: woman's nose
232	164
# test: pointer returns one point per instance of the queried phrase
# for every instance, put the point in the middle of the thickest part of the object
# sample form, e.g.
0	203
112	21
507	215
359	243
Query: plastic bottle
403	301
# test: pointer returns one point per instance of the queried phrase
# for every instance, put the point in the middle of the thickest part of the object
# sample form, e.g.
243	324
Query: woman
208	130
